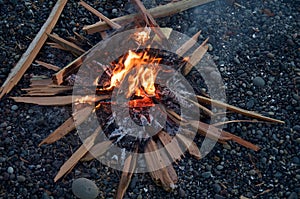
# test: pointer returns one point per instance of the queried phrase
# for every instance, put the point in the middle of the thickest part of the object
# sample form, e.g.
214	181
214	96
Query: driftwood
157	12
33	49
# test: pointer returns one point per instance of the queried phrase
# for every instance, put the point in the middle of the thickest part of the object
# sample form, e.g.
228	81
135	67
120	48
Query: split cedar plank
100	15
203	108
171	145
97	150
40	82
47	65
66	44
33	49
149	20
68	126
57	46
195	57
218	134
188	44
157	12
59	77
154	161
77	155
190	146
57	100
128	170
171	171
236	109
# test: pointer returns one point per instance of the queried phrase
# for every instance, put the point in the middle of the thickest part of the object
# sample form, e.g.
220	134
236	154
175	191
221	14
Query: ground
255	45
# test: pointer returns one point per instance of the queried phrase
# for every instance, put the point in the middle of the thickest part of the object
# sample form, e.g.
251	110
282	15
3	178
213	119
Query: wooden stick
68	126
47	65
128	170
190	145
66	44
195	57
72	161
97	150
171	145
59	100
33	49
100	15
236	109
149	20
157	12
188	44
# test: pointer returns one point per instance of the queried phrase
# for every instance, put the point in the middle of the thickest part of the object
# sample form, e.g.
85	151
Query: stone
10	170
216	187
14	107
258	81
21	178
206	174
84	188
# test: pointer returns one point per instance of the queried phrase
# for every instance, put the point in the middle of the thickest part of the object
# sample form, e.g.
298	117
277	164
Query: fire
140	71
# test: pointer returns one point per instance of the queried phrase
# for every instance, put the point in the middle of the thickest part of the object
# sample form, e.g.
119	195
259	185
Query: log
157	12
33	49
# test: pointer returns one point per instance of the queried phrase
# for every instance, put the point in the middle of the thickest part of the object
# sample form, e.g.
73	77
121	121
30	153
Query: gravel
257	54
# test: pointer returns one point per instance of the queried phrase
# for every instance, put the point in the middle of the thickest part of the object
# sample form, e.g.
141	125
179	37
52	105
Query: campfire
142	98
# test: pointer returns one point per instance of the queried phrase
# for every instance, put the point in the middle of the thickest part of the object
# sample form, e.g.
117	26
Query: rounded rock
10	170
21	178
258	81
14	107
84	188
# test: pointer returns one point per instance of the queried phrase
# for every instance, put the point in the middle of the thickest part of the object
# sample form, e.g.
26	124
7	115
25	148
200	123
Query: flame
141	70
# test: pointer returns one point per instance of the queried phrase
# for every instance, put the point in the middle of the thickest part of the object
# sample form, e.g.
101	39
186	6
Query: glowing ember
140	69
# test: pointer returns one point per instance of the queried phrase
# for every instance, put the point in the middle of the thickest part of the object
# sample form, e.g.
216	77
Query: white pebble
10	170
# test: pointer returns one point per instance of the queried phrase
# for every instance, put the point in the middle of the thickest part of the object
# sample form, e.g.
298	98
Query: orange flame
141	70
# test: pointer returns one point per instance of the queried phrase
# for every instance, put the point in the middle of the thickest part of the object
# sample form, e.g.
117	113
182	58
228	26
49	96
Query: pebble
181	192
296	128
258	81
21	178
252	172
216	187
10	170
114	11
220	167
14	107
293	195
206	174
84	188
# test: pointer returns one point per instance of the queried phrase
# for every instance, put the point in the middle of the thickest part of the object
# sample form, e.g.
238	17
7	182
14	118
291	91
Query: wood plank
190	145
97	150
171	145
157	12
33	49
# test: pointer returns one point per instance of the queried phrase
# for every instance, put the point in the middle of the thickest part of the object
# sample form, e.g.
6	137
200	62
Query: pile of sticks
51	92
